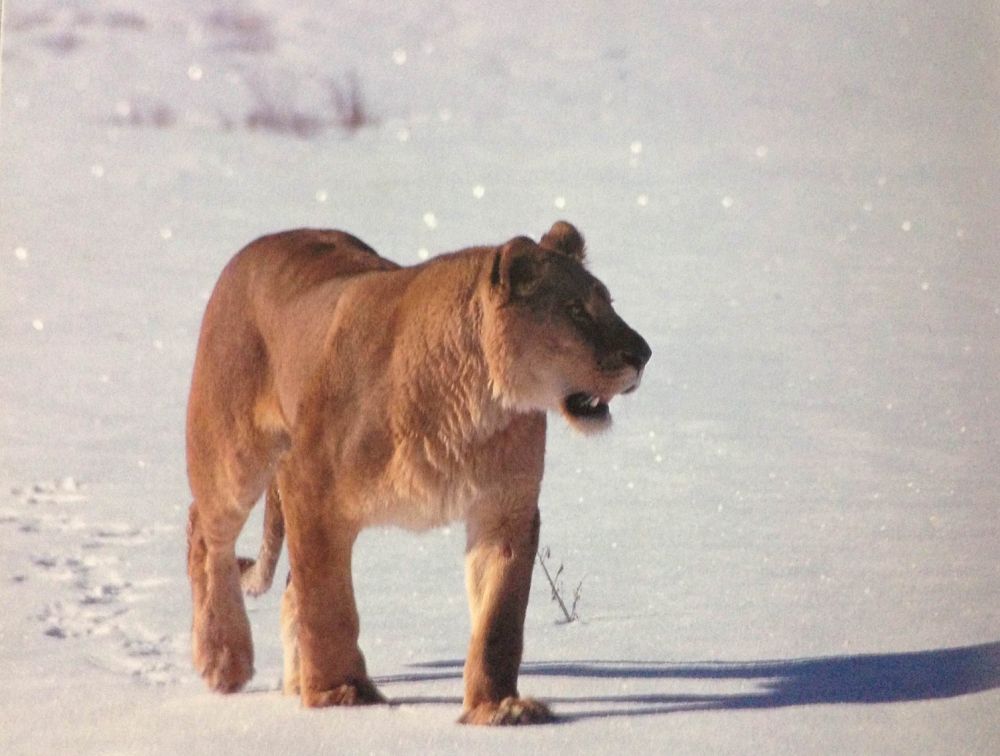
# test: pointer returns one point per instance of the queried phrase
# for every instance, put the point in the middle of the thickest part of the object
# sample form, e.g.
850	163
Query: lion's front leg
290	642
320	608
499	561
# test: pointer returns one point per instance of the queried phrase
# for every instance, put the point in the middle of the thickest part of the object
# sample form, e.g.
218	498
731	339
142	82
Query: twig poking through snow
570	614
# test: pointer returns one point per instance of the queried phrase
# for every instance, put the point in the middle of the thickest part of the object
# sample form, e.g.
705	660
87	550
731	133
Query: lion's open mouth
586	406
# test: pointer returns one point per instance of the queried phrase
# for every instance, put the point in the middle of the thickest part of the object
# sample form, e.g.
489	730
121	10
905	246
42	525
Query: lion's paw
361	693
510	711
226	669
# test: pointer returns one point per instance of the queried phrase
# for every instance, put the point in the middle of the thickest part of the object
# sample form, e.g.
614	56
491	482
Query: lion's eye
577	311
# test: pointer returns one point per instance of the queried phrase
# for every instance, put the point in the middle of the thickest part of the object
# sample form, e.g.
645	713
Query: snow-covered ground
790	541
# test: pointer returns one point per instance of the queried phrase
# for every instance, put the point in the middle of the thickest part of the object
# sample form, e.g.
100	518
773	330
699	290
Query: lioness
357	392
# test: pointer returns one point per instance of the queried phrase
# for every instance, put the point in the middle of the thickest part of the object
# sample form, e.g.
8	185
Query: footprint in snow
87	599
64	491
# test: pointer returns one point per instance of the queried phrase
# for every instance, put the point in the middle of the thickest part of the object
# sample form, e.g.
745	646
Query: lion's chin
586	413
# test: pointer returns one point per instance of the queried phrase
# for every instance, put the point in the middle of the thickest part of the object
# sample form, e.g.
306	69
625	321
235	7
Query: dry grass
276	108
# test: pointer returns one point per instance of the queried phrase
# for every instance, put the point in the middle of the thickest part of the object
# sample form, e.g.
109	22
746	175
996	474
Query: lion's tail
256	575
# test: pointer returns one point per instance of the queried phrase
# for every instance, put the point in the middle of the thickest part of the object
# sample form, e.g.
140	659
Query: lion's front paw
510	711
290	686
360	693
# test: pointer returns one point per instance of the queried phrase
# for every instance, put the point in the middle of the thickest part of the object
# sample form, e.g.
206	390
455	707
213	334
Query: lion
355	392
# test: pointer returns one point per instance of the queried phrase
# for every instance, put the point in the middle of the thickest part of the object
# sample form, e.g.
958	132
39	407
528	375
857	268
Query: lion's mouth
586	406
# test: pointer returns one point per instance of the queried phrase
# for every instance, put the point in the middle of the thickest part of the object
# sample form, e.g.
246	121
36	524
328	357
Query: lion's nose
638	353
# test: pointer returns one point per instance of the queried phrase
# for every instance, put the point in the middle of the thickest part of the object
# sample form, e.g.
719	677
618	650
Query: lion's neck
446	394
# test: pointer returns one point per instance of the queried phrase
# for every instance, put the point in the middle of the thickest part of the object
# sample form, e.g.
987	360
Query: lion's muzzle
636	356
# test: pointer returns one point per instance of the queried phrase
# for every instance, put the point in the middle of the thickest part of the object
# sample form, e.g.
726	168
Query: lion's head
551	337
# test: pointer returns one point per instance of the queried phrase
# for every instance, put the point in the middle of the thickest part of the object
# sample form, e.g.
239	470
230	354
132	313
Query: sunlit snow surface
789	542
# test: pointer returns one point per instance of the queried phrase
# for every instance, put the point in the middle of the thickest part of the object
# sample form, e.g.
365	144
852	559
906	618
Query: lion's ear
564	238
517	269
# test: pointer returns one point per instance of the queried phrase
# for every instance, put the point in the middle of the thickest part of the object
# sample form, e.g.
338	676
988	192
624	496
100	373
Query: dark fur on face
549	286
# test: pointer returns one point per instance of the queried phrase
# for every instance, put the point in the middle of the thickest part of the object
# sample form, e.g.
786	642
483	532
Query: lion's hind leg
221	644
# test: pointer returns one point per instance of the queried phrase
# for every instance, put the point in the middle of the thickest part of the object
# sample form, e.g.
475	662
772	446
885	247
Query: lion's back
290	263
269	312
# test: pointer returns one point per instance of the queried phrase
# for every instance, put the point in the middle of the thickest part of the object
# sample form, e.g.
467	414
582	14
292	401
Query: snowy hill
789	542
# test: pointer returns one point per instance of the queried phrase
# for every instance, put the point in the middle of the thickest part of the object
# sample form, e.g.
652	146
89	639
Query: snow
789	542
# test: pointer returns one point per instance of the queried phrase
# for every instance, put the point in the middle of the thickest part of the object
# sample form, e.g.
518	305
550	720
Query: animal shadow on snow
861	679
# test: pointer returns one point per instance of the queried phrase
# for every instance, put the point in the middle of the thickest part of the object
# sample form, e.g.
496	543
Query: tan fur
358	393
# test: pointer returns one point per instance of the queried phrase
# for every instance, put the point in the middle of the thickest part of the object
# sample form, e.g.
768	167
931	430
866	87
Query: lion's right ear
564	238
517	268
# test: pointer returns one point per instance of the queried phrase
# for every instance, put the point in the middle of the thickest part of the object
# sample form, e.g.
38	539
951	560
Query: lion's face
553	339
